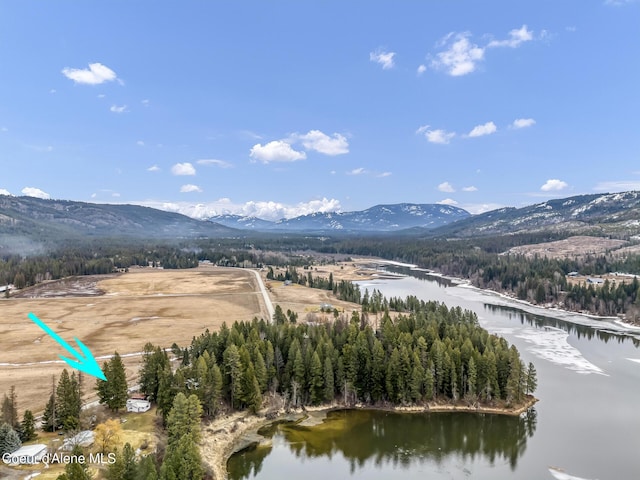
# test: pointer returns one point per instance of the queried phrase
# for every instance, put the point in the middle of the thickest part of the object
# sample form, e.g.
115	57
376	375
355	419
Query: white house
28	455
138	406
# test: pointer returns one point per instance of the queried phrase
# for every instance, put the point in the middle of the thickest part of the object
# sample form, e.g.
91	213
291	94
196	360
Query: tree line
430	353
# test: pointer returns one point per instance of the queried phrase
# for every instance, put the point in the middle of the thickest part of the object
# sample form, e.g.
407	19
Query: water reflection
588	332
401	440
580	331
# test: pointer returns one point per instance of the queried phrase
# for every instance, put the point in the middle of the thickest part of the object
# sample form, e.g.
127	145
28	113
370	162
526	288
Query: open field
305	301
578	246
158	306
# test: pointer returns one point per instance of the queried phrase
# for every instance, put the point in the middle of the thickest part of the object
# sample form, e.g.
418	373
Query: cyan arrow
86	364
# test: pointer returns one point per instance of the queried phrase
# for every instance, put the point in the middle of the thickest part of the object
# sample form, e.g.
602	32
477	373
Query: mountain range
596	214
380	218
25	220
28	223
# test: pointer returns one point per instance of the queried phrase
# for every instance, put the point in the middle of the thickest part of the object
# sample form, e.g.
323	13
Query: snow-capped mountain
381	218
598	214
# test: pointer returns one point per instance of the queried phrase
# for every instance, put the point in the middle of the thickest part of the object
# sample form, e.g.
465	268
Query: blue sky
279	108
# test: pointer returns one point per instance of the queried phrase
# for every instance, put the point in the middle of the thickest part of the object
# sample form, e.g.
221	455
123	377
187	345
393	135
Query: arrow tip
89	365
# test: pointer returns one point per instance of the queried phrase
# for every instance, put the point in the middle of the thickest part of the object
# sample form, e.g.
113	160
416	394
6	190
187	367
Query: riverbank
233	433
502	299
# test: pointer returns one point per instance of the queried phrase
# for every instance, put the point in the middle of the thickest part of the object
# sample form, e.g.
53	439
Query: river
587	421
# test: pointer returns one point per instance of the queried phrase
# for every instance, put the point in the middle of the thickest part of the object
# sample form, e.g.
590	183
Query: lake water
587	421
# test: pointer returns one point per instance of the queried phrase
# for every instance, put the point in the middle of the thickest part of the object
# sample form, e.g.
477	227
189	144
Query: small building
287	283
595	281
573	274
138	406
82	439
27	455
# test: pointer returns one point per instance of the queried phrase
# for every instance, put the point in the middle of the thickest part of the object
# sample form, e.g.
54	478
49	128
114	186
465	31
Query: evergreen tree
184	418
251	395
472	378
377	371
233	372
9	411
261	370
76	470
28	427
329	384
154	361
114	391
146	469
49	419
316	380
532	380
166	392
182	460
9	439
68	401
125	466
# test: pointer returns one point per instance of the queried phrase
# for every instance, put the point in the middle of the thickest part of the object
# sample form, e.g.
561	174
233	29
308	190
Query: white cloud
52	91
94	195
477	208
183	169
383	58
140	143
115	195
96	74
481	130
470	188
435	136
619	3
357	171
320	142
384	174
145	102
4	192
190	188
101	95
267	210
4	129
448	201
517	37
153	168
421	69
276	151
212	161
35	192
118	108
460	56
617	186
446	187
523	122
554	185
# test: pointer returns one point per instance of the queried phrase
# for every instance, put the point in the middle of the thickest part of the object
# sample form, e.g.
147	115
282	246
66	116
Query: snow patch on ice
561	475
551	344
637	360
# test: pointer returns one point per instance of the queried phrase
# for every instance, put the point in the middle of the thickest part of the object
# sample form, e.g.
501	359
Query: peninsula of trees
428	353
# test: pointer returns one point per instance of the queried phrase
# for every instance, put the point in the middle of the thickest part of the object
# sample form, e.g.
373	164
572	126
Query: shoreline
228	435
502	299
